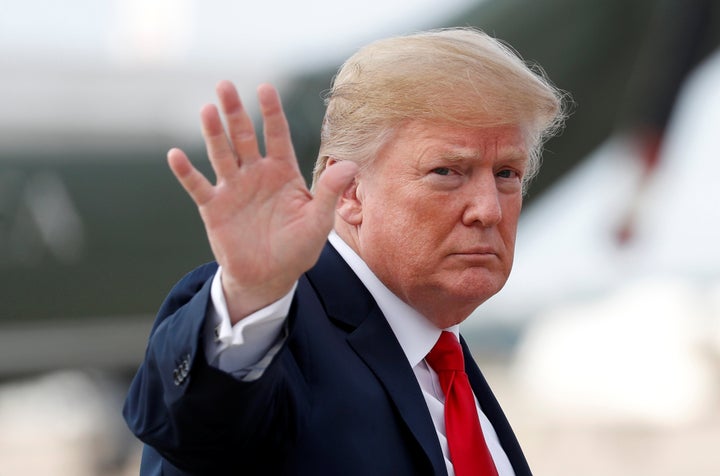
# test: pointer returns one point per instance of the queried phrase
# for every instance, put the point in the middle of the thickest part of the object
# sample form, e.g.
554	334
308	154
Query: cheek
399	241
391	211
511	216
418	230
508	236
399	237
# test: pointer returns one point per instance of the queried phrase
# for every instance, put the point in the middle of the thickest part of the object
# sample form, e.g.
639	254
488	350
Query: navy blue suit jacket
339	398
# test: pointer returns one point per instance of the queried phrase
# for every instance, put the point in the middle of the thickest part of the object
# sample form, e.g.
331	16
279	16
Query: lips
477	251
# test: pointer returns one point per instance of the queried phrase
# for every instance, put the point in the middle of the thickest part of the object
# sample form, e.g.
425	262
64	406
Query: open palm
264	227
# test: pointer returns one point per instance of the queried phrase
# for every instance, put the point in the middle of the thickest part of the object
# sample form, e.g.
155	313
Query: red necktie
469	453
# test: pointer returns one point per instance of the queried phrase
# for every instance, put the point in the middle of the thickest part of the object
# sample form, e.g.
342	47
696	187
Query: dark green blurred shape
140	234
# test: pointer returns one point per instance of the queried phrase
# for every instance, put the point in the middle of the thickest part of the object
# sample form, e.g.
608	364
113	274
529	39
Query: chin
478	287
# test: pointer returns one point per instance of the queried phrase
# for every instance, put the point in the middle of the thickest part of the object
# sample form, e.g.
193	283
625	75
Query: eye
508	174
441	171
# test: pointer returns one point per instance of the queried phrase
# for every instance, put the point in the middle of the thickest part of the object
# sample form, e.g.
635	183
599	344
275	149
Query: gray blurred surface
112	344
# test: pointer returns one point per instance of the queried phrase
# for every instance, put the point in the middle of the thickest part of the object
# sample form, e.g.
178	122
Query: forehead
453	141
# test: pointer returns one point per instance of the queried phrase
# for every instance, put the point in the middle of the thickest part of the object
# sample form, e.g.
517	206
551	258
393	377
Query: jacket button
180	373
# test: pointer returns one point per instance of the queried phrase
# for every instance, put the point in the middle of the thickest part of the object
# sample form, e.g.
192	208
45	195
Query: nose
482	206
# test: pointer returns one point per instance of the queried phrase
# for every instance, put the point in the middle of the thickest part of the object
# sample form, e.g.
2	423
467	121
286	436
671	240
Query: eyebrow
512	154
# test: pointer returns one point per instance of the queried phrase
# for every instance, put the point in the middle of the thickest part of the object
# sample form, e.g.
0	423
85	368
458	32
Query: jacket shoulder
185	289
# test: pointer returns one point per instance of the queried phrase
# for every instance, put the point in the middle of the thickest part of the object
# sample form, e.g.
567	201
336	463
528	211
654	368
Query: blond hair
458	76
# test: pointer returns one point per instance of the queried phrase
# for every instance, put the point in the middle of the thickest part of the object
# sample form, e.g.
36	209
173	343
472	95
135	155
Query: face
435	215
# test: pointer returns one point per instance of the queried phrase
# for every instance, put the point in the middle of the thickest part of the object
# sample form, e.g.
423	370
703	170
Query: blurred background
604	347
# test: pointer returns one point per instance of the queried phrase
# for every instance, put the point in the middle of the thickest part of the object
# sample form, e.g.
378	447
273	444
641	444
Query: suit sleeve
195	416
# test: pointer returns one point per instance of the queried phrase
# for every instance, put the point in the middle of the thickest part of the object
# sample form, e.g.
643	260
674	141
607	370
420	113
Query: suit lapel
351	305
375	343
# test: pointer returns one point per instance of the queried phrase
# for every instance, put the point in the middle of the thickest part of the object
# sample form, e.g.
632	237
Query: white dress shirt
246	349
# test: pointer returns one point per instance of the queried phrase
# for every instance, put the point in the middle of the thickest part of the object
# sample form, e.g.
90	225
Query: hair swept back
457	75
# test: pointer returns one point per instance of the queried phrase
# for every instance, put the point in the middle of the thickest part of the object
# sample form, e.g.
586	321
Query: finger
278	143
194	183
333	181
222	157
240	126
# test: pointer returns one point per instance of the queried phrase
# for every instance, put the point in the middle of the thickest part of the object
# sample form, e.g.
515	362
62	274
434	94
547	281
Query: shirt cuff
246	348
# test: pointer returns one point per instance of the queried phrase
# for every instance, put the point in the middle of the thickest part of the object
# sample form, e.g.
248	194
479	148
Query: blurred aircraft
94	229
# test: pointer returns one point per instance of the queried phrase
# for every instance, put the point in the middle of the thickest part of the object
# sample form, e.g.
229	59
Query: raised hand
264	227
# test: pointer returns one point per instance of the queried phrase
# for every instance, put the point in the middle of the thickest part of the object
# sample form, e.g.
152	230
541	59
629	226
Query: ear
349	206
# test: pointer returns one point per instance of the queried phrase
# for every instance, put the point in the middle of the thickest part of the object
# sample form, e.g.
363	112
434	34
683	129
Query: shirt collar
415	333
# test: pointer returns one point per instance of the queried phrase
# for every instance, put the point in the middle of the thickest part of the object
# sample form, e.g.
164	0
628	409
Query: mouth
483	251
475	258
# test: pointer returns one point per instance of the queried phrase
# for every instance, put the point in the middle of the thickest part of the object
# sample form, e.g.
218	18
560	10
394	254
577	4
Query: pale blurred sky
206	31
107	71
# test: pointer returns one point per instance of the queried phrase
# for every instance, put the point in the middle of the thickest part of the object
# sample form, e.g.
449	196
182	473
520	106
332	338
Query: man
303	354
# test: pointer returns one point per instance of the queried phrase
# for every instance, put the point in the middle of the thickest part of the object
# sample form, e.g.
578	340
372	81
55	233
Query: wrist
242	300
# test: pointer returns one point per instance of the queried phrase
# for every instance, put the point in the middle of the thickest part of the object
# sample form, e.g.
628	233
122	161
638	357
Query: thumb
331	184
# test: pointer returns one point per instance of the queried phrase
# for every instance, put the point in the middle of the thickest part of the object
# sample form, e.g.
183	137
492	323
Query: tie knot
446	354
